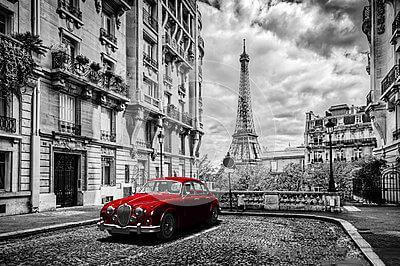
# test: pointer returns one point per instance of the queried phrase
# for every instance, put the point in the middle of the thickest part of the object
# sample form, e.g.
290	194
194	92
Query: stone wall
280	200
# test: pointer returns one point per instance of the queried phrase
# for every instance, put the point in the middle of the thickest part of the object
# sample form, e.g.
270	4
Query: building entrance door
65	179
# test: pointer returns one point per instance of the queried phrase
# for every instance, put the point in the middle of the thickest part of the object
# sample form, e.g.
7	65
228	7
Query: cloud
304	55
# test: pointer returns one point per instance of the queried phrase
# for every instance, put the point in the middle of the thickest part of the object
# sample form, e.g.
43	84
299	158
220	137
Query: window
182	169
67	108
107	124
4	170
5	22
71	47
127	175
183	146
157	171
168	140
108	24
167	99
151	89
149	131
107	171
148	49
5	106
108	65
198	188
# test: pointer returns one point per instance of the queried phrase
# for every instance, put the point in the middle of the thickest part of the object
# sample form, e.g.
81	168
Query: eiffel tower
245	148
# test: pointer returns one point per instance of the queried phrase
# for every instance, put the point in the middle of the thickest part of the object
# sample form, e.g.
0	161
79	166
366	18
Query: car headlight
139	211
110	210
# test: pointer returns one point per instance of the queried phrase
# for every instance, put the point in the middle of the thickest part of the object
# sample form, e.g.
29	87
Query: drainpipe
35	138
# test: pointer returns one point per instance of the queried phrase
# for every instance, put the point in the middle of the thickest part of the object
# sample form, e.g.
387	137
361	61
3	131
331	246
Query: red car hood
149	200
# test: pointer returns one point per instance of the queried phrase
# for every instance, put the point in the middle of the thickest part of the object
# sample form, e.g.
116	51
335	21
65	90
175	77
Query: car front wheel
167	227
213	216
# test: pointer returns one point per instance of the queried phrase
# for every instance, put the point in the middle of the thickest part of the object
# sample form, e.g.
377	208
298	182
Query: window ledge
65	14
8	194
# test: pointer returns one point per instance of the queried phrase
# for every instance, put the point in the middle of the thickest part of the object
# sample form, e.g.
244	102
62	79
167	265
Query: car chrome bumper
114	228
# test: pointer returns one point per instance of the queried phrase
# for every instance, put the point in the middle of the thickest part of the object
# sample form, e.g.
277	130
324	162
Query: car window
198	188
205	188
187	188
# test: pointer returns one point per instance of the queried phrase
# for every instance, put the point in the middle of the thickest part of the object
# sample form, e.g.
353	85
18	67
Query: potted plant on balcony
82	60
31	43
94	72
16	65
59	56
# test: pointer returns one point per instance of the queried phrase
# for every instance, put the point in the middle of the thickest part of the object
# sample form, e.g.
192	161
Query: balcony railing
351	141
369	98
147	59
107	80
108	38
8	124
69	127
396	134
72	9
177	49
396	23
143	144
172	112
148	19
390	79
107	135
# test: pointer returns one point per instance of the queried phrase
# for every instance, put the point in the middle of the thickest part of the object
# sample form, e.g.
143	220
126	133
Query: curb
34	231
350	229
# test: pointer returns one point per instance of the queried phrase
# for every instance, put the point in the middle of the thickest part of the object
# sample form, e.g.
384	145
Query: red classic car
161	206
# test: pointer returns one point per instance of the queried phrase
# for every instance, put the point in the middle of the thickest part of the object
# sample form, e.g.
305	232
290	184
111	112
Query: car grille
123	214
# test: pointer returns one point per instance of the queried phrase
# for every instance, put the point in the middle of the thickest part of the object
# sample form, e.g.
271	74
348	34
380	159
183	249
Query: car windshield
162	186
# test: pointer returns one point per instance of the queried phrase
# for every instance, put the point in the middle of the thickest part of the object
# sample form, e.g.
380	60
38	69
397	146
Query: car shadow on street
150	239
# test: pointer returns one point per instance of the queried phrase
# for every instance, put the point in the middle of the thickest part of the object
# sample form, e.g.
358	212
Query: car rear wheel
213	216
167	227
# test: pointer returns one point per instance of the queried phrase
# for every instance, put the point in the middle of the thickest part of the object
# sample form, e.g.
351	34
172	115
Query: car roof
178	179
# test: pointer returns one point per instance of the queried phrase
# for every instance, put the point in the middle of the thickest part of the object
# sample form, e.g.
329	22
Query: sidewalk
60	218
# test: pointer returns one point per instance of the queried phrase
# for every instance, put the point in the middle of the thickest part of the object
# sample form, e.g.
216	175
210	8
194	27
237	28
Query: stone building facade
381	24
17	132
352	137
276	161
164	64
115	75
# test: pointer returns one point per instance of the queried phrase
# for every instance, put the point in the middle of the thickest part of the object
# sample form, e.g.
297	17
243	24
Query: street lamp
160	137
329	128
229	163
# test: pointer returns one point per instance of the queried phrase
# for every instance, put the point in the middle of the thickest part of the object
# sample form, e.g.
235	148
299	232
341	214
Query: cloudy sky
304	55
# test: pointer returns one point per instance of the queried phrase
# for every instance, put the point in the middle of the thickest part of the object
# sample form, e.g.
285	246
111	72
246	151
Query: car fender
173	212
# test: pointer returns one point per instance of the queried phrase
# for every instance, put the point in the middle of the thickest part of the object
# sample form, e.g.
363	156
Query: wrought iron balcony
186	119
192	4
72	9
186	27
69	127
109	39
8	124
107	135
147	59
149	20
390	79
171	45
90	73
143	144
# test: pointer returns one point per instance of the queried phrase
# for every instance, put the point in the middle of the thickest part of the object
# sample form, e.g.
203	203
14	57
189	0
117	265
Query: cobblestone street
236	240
